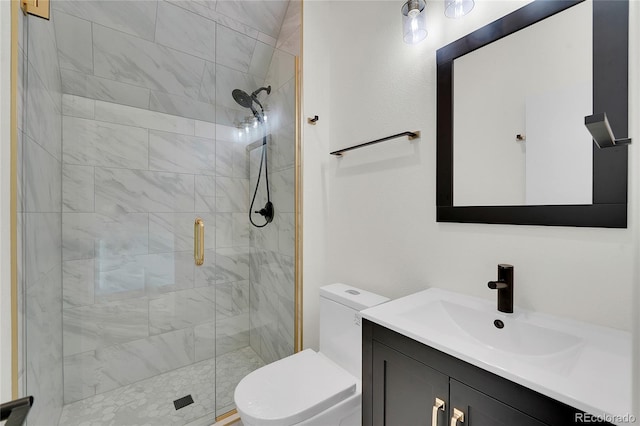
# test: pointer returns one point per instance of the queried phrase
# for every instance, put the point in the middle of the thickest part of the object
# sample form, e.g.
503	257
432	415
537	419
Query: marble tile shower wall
272	247
180	57
39	107
135	306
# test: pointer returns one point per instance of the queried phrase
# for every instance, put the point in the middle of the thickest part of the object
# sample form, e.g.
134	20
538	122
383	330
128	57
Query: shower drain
183	402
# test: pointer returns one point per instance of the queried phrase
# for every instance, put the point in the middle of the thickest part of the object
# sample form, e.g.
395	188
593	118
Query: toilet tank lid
352	297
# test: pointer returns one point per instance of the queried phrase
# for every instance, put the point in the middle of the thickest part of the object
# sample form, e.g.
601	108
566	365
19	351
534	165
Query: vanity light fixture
414	21
457	8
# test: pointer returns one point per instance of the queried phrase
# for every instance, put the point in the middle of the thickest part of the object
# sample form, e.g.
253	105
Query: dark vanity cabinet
406	388
402	379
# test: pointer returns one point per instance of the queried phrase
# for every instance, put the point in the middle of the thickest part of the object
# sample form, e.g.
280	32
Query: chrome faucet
504	285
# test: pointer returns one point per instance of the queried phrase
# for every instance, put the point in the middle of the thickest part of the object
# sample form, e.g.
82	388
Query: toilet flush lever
437	406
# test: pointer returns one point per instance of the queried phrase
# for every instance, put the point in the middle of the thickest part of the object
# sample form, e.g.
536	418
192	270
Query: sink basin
583	365
517	335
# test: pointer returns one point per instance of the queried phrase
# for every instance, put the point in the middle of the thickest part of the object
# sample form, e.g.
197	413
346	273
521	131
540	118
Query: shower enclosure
129	133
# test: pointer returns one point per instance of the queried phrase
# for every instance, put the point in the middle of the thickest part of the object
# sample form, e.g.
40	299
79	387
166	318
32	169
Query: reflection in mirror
536	82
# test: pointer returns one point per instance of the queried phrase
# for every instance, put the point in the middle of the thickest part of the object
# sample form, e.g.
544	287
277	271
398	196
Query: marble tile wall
180	57
135	305
40	219
289	37
271	285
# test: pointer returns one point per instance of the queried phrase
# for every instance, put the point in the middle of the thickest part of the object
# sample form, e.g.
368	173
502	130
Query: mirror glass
535	83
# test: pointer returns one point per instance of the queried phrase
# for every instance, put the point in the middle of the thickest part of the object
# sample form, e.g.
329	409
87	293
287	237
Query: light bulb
457	8
240	131
414	22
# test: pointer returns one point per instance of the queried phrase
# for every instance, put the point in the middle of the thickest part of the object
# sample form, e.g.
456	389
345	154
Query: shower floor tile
150	402
232	367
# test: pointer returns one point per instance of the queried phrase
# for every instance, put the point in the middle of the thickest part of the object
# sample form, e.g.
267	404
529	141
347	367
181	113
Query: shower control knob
267	211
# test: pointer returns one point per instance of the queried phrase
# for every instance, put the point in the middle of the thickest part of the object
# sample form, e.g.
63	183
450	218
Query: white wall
5	242
316	81
370	217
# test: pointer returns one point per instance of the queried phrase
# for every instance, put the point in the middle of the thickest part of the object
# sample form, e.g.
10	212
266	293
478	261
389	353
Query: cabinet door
482	410
405	390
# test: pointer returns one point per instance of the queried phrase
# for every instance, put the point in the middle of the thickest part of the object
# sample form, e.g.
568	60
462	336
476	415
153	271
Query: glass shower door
137	315
39	212
255	301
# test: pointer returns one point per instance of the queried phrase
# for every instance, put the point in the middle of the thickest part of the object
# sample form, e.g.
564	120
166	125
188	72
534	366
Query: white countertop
593	376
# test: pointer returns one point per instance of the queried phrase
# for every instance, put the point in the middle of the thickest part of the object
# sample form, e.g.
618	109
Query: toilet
314	388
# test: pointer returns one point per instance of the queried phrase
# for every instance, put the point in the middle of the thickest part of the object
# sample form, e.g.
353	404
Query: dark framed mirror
608	173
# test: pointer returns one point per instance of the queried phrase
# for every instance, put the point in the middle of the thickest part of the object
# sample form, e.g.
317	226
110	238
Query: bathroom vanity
436	356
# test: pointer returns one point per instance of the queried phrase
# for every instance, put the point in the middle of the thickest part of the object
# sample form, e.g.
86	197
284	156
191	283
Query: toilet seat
292	389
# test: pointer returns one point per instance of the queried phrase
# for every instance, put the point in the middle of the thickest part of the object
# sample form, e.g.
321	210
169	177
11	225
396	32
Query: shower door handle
198	241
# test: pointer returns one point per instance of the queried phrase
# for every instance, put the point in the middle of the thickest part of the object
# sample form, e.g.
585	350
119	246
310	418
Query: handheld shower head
245	100
256	92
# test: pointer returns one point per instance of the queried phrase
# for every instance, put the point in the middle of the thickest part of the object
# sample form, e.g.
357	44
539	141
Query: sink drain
498	323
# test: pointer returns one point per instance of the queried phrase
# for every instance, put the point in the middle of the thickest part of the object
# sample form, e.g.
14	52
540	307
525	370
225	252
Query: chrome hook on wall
313	120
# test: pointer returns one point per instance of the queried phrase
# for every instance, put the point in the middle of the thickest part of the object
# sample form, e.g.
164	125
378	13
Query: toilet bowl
314	388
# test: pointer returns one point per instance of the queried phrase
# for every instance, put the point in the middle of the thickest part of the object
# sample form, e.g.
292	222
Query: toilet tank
340	328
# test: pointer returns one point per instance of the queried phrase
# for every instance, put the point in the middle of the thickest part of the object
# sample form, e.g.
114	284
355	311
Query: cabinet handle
458	416
198	241
439	405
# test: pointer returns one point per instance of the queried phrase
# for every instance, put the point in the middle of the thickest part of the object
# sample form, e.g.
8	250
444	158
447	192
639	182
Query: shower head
242	98
245	100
